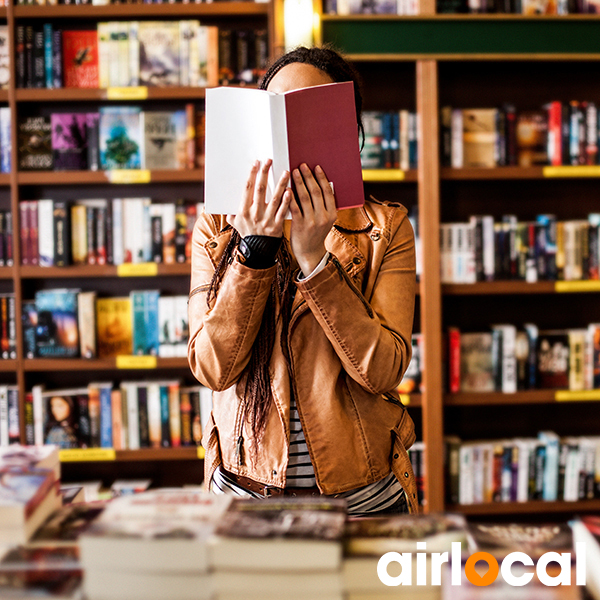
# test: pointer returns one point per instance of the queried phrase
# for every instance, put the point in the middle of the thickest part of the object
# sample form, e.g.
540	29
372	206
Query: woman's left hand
313	215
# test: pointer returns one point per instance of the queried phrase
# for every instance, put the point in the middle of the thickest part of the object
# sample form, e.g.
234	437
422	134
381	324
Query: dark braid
255	388
329	61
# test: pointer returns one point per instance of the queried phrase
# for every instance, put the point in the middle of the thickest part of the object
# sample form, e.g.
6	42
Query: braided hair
254	387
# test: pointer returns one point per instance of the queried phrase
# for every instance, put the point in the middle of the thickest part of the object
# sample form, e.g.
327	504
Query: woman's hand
256	216
313	215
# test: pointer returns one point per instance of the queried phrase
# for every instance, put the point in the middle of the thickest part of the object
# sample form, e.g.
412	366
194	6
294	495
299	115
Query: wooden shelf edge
103	177
517	508
459	17
178	453
523	397
498	287
101	94
217	9
87	271
95	364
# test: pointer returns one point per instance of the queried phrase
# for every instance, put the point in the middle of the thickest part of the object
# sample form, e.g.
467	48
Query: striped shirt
375	497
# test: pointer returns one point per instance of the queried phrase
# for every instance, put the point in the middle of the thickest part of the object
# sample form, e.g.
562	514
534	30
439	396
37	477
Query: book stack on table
280	548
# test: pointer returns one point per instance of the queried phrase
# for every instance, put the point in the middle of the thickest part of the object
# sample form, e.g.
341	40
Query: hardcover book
69	141
80	58
479	137
57	333
553	359
114	329
315	125
477	372
4	58
160	140
159	53
35	144
120	137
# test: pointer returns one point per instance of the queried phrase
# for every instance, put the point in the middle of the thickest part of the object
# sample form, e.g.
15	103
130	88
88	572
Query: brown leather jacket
349	343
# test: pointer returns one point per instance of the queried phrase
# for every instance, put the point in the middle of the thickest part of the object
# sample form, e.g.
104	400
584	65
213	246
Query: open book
315	125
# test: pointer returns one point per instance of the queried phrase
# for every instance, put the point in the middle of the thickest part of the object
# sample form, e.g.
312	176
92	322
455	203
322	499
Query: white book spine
4	415
133	419
117	225
154	418
465	474
456	139
134	54
46	232
38	414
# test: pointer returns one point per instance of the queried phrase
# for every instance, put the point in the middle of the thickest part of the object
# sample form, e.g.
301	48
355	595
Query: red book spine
453	360
555	133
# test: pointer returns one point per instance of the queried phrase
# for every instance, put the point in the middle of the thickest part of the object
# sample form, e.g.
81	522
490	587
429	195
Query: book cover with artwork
159	53
121	139
114	330
477	371
532	138
34	144
160	139
80	58
553	351
144	306
69	141
57	333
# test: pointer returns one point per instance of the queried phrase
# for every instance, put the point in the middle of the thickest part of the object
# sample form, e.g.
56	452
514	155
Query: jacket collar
353	219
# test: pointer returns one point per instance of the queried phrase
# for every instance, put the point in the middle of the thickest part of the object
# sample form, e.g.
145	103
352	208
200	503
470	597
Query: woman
302	328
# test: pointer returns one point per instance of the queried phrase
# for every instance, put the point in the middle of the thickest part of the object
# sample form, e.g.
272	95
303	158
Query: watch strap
258	251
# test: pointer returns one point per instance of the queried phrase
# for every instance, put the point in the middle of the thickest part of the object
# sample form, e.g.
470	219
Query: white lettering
404	560
507	574
563	559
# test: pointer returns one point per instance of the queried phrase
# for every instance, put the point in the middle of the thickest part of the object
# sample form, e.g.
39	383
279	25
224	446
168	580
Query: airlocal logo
404	559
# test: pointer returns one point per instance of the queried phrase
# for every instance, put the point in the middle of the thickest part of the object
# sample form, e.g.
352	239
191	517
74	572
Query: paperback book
159	53
314	125
80	58
69	141
57	333
34	144
114	330
120	137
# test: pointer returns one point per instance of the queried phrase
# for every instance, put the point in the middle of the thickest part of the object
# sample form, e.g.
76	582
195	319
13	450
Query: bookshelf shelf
498	287
4	179
518	508
389	175
491	398
539	172
8	365
167	10
6	272
32	365
102	94
85	271
90	177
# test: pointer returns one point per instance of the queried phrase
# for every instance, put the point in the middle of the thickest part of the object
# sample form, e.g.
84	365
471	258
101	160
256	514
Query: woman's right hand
256	216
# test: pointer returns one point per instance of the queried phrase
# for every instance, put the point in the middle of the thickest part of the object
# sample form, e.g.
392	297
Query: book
27	498
293	534
65	417
80	58
160	139
34	144
159	53
4	58
120	137
19	457
244	125
57	333
114	329
553	359
155	531
479	137
86	322
69	141
532	134
144	307
586	530
477	373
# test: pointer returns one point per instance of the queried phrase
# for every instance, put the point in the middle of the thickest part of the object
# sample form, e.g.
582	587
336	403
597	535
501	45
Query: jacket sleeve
221	337
371	335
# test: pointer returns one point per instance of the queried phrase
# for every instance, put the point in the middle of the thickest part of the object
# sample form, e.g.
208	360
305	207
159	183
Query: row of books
377	7
100	231
507	359
117	54
70	323
559	133
544	249
127	416
115	137
107	2
390	140
547	467
525	7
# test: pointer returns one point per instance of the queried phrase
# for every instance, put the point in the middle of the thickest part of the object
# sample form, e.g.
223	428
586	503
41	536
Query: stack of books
279	547
151	546
29	490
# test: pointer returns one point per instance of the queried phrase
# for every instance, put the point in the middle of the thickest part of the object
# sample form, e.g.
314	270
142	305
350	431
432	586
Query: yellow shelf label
201	452
136	362
148	269
129	176
569	396
575	171
139	92
383	175
577	286
405	399
87	454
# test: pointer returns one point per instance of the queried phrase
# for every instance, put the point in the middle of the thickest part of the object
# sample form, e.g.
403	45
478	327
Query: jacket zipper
344	276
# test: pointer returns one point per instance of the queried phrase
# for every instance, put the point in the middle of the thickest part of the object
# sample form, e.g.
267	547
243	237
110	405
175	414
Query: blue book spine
165	425
152	324
48	71
5	140
106	433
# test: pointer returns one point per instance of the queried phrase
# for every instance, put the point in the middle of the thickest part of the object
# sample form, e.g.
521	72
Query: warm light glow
298	23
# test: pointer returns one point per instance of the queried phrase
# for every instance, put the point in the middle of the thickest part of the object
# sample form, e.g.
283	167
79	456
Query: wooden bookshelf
469	61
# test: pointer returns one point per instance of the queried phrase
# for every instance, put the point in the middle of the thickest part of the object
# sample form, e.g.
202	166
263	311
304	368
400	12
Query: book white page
238	132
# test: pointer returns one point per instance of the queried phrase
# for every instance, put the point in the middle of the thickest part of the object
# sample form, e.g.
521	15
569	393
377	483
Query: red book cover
555	132
80	58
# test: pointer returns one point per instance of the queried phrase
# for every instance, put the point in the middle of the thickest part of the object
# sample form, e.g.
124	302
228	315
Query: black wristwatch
258	251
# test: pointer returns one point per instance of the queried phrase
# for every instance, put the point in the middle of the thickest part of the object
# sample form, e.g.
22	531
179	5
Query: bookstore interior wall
467	116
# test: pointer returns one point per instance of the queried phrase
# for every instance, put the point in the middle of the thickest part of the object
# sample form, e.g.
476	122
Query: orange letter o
473	576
